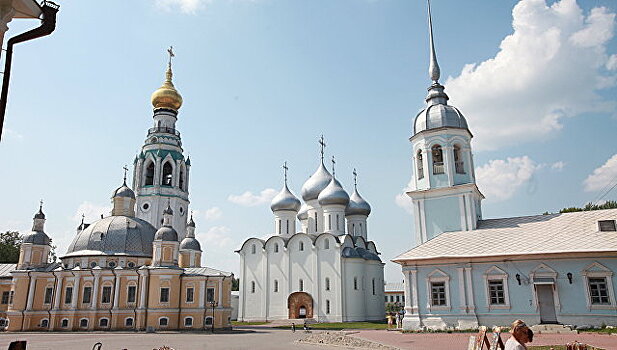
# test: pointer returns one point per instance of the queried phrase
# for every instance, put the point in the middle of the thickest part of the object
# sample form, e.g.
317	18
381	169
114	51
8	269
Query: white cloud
603	176
91	211
186	6
404	201
12	134
499	179
213	213
248	199
549	68
558	165
217	236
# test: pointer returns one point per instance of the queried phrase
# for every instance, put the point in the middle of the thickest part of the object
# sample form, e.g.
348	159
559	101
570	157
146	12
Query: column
31	292
117	292
95	292
448	160
142	291
58	293
461	289
75	296
202	294
411	320
470	301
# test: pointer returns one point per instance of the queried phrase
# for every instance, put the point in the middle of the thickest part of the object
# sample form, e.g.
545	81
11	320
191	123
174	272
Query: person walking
521	334
398	320
293	327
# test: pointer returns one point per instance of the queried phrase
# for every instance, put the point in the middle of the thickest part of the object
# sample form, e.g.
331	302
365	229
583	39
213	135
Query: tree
235	284
10	242
591	206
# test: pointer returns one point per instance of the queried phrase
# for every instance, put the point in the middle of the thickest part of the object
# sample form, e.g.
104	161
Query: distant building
394	293
468	271
328	270
235	303
139	268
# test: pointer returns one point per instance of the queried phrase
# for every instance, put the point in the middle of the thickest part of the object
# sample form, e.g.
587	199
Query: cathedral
327	271
136	269
468	271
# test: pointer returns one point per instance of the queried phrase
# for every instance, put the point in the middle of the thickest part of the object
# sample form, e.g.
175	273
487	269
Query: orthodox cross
285	168
41	204
322	142
83	217
333	164
355	179
125	170
170	51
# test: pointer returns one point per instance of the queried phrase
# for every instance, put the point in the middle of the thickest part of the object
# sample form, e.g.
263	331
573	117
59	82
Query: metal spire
433	68
125	170
322	142
41	205
285	168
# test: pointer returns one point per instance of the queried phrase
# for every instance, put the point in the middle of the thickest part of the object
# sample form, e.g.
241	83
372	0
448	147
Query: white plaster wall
354	298
253	307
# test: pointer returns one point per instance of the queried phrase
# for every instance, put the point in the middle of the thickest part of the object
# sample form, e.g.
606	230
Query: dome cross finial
322	143
355	179
170	51
41	205
333	164
125	171
285	168
433	68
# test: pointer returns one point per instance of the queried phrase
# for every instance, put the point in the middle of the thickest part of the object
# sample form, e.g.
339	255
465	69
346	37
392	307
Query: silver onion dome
166	233
37	238
316	183
303	214
190	243
357	205
124	191
439	116
285	200
333	194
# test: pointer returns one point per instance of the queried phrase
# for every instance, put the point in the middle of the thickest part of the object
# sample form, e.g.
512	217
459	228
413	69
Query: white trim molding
544	271
438	276
494	273
597	270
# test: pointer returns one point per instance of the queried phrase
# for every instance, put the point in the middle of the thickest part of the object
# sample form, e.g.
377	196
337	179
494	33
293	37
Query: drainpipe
23	314
113	299
48	25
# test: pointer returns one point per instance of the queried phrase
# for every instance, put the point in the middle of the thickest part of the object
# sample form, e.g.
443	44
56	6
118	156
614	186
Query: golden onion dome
167	96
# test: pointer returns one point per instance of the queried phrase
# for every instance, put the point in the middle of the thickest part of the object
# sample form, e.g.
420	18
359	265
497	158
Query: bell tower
161	172
444	194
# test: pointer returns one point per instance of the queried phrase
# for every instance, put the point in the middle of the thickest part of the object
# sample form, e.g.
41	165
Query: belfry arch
300	305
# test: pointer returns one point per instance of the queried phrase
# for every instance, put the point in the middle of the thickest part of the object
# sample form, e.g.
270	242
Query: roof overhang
26	9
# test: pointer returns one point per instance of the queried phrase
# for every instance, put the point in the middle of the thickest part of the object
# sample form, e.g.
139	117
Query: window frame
131	298
166	321
190	294
89	294
126	320
68	295
438	276
106	321
49	296
164	294
106	297
494	273
210	294
187	319
597	270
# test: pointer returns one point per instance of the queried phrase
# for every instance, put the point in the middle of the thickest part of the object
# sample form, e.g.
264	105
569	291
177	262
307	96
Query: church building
327	270
136	269
468	271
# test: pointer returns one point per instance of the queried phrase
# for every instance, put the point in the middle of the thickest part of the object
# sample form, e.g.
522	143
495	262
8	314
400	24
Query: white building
328	270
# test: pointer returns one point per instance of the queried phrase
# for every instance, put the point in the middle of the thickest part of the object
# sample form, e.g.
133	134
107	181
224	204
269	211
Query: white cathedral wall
252	306
329	267
374	302
277	270
354	294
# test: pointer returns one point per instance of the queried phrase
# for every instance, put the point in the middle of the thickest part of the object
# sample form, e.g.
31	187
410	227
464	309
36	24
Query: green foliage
345	325
10	241
235	284
591	206
392	308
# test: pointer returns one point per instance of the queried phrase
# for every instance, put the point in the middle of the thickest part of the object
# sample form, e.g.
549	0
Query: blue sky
262	79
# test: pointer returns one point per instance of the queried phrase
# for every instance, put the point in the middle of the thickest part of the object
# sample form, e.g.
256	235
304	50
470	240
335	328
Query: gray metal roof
205	271
190	243
522	236
166	233
37	237
334	193
114	235
285	200
124	191
357	205
5	269
394	287
316	183
439	116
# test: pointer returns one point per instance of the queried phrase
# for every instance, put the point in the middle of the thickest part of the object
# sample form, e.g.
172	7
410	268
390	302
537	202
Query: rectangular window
403	298
68	295
190	292
386	298
164	295
398	298
391	298
131	294
87	295
607	225
49	292
598	291
327	306
438	294
5	298
106	298
496	292
209	295
11	297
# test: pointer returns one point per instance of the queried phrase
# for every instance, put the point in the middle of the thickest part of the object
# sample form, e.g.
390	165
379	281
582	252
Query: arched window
149	181
355	283
287	223
329	221
128	322
181	179
301	246
373	286
103	322
353	228
188	322
83	323
252	286
276	247
163	321
276	286
64	323
44	323
327	283
280	224
437	153
315	221
301	285
420	165
253	249
327	306
209	320
458	160
168	171
326	244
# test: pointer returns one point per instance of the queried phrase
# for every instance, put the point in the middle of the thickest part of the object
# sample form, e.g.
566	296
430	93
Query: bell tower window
458	160
437	153
149	174
420	165
181	180
167	174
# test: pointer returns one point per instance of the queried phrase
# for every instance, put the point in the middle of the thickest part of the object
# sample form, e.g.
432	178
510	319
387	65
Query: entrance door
300	305
546	302
302	312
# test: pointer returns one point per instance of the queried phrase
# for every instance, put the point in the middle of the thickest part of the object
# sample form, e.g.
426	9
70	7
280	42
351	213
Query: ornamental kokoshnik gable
467	271
138	268
327	271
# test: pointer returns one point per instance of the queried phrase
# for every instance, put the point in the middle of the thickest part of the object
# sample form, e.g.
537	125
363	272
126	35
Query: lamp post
213	304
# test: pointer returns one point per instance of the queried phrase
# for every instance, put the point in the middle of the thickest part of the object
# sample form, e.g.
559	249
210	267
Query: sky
263	79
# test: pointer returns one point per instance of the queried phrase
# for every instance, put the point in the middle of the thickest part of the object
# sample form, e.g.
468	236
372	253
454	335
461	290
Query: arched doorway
300	305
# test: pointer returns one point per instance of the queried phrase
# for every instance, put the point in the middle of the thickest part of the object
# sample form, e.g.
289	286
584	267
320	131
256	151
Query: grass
337	326
238	323
601	330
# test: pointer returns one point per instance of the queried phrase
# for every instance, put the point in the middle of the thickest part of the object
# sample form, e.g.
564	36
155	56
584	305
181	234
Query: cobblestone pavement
253	339
445	341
